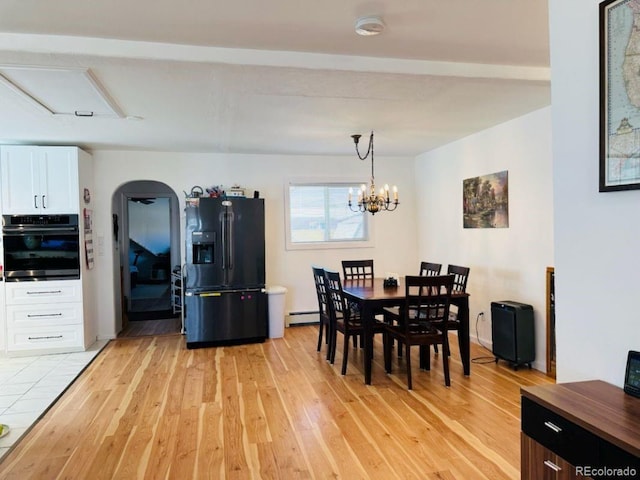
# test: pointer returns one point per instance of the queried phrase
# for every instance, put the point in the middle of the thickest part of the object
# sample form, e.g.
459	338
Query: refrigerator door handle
230	220
223	218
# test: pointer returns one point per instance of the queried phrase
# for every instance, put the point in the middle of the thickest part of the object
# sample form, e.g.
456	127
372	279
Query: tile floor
29	385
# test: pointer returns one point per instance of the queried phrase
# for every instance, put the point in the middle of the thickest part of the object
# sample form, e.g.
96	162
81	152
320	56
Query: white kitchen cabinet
53	291
54	339
39	180
54	314
44	317
3	322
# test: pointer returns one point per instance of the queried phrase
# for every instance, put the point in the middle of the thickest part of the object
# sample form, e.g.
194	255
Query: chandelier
368	199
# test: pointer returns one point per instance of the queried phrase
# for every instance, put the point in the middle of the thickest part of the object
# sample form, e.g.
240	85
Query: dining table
372	296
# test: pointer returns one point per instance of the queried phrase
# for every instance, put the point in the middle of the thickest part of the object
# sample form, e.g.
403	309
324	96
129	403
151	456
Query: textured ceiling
280	77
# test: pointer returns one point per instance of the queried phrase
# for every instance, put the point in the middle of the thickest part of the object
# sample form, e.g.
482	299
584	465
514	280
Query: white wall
86	181
506	263
596	234
394	233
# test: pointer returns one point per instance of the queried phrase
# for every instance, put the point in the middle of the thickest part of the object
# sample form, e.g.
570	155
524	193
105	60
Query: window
318	216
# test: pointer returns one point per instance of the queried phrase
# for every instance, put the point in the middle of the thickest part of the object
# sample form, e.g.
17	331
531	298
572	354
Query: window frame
323	245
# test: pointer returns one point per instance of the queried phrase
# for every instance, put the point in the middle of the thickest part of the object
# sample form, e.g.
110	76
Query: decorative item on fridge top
236	191
193	196
195	192
215	191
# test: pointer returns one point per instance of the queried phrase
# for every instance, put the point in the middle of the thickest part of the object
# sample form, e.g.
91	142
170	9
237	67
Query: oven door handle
38	231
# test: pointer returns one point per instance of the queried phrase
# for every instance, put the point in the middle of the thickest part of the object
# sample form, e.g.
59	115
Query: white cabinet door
38	316
54	339
19	171
30	293
39	180
59	180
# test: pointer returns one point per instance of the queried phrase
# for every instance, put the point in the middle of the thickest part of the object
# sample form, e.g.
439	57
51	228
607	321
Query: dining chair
428	269
357	269
343	319
422	321
460	277
323	308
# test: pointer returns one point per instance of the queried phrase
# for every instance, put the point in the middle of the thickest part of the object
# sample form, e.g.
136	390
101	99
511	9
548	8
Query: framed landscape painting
619	95
485	201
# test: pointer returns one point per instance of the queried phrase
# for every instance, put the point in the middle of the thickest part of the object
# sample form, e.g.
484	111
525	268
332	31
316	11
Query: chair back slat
338	307
321	290
428	269
357	269
461	276
427	300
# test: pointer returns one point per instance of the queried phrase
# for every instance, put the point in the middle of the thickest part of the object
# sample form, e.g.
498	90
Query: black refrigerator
225	298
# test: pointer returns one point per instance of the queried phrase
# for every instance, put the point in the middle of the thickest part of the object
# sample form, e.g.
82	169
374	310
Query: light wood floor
142	328
149	408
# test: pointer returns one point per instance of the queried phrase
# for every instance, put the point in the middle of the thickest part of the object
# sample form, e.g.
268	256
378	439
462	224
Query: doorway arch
146	230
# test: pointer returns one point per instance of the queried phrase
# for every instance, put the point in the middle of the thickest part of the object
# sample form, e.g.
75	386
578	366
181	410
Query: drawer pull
49	337
48	292
553	427
44	315
552	466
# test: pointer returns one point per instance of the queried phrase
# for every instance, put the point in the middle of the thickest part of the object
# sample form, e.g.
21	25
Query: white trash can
276	296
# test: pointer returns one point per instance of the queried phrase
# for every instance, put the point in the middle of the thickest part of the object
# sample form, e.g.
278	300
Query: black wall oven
41	247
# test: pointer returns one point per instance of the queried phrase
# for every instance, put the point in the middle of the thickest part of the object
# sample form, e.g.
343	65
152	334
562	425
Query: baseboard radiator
302	318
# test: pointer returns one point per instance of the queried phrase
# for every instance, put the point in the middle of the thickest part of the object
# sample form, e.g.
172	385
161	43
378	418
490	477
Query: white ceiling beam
59	44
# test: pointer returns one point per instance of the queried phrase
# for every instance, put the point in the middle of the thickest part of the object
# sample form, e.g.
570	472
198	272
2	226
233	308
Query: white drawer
64	338
28	293
54	314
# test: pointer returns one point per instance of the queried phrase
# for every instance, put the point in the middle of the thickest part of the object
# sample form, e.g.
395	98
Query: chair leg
424	354
408	362
332	346
386	342
331	340
425	357
435	348
399	349
345	355
321	328
445	363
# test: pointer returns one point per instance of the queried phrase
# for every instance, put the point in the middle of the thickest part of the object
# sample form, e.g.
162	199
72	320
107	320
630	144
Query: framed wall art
485	201
619	95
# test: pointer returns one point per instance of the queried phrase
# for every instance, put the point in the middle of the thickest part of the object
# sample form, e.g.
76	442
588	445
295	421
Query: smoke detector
369	26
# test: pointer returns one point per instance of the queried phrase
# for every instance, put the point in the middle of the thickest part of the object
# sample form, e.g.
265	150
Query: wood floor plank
210	448
235	457
151	408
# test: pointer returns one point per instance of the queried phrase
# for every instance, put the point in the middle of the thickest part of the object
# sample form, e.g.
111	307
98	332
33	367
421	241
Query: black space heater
512	332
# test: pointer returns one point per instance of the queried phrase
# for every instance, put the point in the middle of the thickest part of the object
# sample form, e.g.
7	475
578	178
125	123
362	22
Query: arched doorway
146	227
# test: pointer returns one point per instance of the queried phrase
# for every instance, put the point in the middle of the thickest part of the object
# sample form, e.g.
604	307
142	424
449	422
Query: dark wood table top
596	406
374	289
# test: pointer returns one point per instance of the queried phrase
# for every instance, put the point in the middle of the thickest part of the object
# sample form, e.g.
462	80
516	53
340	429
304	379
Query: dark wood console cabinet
579	430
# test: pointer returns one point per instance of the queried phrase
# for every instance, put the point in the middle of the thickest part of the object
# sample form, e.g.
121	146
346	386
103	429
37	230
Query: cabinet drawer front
614	457
65	337
28	293
566	439
28	316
